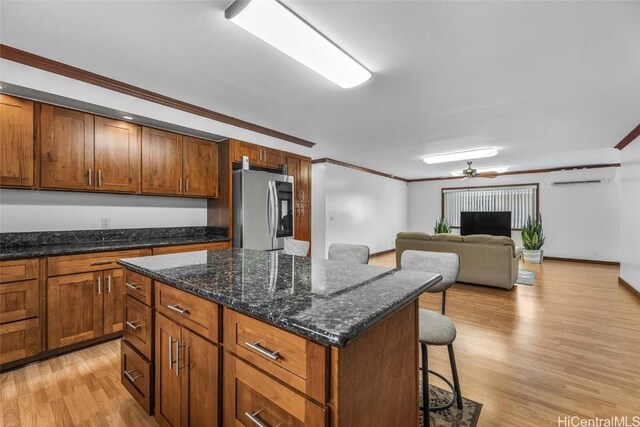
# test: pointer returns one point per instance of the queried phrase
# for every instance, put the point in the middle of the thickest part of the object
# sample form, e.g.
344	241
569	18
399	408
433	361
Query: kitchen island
256	338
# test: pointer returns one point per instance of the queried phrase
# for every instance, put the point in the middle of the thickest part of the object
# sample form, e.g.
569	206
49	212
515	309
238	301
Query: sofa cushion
413	235
446	237
488	239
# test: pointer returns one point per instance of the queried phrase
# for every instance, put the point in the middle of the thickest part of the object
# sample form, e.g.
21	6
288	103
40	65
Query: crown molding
629	138
358	168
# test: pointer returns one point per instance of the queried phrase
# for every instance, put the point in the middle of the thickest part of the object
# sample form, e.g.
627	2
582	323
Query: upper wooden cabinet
200	167
258	156
300	170
16	142
117	155
161	162
66	149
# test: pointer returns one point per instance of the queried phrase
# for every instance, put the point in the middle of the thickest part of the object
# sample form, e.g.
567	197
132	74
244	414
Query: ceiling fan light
280	27
480	153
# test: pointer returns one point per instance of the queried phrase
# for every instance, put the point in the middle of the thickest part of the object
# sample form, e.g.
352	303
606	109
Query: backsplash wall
28	210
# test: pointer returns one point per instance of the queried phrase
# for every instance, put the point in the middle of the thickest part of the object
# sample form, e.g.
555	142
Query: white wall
27	210
356	207
580	221
630	215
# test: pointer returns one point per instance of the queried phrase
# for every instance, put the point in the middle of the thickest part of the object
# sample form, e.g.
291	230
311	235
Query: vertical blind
521	201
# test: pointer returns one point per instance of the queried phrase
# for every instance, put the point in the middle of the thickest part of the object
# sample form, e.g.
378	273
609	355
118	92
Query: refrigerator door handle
269	209
276	202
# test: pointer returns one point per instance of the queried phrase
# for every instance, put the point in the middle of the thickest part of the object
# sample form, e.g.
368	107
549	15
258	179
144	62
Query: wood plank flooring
569	345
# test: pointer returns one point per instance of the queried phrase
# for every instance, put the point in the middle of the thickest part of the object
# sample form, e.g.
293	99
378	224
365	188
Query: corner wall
580	221
355	207
630	215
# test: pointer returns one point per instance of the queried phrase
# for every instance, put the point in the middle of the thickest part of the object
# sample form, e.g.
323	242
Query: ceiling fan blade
487	175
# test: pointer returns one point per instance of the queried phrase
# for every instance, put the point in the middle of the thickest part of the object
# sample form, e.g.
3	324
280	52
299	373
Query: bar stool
296	247
436	328
357	254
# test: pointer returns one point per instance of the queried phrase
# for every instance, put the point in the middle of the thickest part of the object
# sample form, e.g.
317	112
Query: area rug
526	277
452	417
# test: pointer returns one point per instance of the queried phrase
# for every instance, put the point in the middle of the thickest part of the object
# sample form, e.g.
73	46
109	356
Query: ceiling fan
470	172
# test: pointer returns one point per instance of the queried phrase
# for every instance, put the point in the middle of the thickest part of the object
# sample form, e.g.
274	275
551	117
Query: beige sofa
484	259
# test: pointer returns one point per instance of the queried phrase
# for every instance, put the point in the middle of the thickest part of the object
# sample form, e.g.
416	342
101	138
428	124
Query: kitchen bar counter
41	244
329	302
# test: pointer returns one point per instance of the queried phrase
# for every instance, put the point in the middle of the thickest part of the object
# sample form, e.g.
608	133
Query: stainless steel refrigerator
262	209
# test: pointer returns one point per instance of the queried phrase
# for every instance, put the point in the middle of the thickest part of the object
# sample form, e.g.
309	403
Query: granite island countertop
329	302
55	243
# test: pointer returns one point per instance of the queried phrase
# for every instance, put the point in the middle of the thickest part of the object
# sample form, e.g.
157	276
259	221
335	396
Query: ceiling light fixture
127	117
496	169
461	155
279	26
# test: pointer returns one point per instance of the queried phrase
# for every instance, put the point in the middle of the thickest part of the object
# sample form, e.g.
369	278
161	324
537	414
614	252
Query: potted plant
442	226
532	240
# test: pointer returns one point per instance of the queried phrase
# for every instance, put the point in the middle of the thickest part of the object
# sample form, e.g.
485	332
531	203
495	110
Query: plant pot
532	256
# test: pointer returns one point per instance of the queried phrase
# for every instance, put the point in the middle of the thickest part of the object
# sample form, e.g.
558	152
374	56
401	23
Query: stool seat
436	328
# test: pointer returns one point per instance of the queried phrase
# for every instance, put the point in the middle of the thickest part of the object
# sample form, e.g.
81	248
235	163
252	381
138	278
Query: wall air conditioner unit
583	176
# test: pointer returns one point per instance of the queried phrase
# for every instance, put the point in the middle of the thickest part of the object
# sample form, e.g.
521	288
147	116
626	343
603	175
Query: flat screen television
494	223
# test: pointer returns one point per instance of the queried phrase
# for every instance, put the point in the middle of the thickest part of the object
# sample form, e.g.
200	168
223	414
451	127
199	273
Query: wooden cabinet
300	170
74	309
136	376
16	142
66	149
113	300
189	248
258	155
302	226
200	167
186	376
161	162
117	155
19	340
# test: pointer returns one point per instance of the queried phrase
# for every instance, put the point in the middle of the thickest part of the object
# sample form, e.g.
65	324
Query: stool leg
454	372
425	385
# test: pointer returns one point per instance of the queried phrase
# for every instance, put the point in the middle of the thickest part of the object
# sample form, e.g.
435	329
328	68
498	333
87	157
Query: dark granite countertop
52	243
329	302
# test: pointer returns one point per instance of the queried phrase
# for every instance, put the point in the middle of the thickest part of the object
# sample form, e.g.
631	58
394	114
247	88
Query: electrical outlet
106	223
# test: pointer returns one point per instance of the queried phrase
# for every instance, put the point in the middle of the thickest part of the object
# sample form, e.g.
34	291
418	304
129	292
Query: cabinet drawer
250	393
19	300
296	361
139	287
138	327
22	269
195	313
188	248
69	264
19	340
136	376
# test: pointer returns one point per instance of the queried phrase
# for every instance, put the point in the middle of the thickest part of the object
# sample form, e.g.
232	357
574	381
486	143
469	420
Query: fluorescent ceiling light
496	169
127	117
277	25
461	155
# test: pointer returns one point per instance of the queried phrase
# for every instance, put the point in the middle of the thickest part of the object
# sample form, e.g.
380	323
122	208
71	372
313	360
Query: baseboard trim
627	285
584	261
383	252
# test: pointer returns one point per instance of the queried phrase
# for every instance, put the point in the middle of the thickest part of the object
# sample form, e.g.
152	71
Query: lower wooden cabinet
302	229
163	250
186	376
136	376
19	340
84	306
138	329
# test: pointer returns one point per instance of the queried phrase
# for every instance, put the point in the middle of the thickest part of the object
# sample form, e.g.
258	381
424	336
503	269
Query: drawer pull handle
177	309
254	418
134	325
273	355
105	262
130	377
133	286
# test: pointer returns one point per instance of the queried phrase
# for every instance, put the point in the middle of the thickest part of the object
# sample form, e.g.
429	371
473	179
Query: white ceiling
548	83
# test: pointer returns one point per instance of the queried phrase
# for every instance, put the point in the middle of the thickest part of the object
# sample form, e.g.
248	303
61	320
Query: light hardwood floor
570	345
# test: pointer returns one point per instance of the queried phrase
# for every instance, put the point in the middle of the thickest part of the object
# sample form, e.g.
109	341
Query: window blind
521	201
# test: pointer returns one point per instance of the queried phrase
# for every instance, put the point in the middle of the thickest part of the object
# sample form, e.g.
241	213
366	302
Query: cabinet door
161	162
199	380
303	222
293	164
305	181
168	396
113	300
74	308
200	167
16	142
117	155
66	149
272	158
252	151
